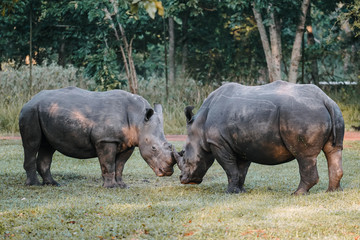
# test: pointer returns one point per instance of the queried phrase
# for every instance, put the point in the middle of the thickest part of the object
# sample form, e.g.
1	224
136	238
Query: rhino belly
263	147
69	137
267	154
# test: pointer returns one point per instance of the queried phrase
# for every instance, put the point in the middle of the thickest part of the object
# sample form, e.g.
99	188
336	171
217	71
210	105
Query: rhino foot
109	185
52	183
32	182
300	192
338	189
122	185
235	190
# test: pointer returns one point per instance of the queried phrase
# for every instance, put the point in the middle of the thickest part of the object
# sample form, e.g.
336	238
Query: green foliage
7	6
353	16
162	208
348	99
151	7
221	37
104	70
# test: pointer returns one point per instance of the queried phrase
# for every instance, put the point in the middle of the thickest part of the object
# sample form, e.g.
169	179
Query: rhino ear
148	114
189	114
158	108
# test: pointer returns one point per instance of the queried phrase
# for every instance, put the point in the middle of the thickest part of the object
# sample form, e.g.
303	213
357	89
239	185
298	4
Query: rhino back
262	123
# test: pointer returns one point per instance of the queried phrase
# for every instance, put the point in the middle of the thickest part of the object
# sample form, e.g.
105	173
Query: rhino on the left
84	124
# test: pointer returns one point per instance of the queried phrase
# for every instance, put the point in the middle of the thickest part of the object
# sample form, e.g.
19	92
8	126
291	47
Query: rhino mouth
190	181
163	172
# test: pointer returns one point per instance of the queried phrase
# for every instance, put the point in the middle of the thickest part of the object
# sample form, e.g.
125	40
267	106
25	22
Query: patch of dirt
176	138
352	136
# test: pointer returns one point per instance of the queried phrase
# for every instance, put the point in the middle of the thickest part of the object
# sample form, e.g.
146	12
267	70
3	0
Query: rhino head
196	158
153	147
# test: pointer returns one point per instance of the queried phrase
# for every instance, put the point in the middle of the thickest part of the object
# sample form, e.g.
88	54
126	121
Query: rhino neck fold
131	134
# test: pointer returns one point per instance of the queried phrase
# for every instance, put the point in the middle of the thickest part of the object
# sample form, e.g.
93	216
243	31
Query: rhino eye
153	148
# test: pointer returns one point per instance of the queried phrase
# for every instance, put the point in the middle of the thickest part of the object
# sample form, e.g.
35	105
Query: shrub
14	88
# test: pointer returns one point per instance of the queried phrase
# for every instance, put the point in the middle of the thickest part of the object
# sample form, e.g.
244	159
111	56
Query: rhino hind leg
308	174
30	166
334	159
31	138
43	163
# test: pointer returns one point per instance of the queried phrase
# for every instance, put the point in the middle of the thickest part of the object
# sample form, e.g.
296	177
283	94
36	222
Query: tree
352	16
213	41
126	47
296	52
171	50
273	53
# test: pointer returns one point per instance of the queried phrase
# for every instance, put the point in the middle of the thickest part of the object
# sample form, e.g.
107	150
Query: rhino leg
308	174
243	169
121	159
31	138
43	163
106	153
30	166
228	162
334	159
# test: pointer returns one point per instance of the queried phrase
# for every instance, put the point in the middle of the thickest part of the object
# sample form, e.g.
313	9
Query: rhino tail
337	122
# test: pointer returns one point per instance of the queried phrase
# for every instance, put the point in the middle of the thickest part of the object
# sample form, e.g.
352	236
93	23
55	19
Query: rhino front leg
229	164
121	159
243	169
106	153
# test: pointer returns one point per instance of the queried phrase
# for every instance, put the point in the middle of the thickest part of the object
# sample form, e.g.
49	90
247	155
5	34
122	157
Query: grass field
162	208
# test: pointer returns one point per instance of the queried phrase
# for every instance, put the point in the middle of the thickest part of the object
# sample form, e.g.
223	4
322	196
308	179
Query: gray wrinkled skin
269	124
84	124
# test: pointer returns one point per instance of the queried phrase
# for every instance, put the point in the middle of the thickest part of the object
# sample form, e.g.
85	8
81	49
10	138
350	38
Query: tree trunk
61	54
311	42
314	64
345	26
171	51
30	53
166	62
303	60
275	47
265	43
296	51
184	45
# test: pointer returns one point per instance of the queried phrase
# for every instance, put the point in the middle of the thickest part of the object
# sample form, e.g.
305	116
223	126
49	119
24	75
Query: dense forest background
175	51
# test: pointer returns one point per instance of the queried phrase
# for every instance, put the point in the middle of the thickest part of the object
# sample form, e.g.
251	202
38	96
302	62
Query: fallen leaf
189	234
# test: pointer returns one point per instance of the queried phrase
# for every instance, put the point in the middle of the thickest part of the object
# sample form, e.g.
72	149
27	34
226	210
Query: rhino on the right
270	124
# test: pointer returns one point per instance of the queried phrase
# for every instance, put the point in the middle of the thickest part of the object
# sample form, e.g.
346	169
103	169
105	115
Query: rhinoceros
269	124
85	124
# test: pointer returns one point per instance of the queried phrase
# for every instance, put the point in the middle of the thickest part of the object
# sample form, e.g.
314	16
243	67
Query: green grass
162	208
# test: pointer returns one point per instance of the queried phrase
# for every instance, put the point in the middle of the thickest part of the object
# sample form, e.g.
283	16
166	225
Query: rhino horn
178	156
